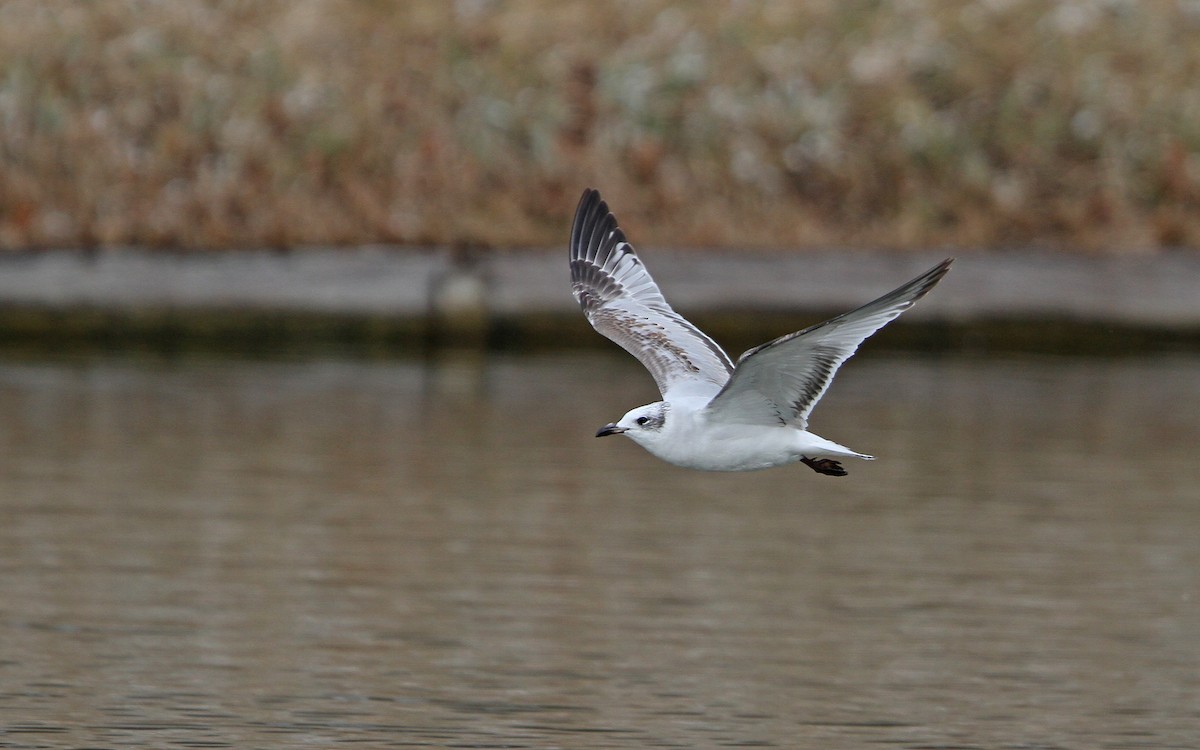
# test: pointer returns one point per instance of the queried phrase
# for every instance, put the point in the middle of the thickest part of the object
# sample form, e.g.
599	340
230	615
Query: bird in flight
714	414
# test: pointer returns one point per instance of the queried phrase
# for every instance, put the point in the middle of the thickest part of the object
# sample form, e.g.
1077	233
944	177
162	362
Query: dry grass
829	122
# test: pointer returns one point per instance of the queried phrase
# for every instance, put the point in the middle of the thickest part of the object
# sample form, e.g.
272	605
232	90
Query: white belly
733	447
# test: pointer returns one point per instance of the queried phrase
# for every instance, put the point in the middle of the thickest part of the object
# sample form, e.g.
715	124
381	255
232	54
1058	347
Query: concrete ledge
1158	291
411	290
369	280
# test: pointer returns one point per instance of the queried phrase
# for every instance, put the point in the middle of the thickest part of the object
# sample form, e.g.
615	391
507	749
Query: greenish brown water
222	553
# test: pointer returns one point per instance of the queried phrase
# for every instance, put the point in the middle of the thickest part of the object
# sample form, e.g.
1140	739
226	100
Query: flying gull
714	414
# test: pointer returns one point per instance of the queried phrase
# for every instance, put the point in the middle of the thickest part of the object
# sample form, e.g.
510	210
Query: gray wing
623	303
780	381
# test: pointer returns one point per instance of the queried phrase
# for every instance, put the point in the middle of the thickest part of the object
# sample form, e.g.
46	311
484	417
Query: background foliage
902	123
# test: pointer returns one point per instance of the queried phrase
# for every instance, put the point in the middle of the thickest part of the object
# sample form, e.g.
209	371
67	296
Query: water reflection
438	553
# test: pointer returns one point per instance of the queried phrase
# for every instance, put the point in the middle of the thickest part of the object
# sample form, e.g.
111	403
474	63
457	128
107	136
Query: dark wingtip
926	281
589	203
943	267
591	212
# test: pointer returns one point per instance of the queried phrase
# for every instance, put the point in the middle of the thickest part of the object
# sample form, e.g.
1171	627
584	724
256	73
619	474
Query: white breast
688	439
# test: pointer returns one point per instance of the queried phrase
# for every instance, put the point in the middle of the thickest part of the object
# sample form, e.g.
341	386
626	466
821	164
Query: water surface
222	553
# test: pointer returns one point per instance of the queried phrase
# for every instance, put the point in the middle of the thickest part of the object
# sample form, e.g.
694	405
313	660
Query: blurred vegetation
901	123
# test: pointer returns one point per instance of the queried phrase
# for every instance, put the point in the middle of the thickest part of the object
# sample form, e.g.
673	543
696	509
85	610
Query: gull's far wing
780	381
623	303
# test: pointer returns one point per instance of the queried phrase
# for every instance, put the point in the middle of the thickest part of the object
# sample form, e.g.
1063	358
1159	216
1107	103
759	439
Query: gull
714	414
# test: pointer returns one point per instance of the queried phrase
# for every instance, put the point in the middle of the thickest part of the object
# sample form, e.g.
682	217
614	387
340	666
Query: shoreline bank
400	297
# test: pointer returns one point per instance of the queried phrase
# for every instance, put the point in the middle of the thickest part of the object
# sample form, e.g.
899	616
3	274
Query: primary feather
623	303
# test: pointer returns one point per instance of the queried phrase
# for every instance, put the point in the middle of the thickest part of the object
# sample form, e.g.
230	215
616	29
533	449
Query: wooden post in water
458	302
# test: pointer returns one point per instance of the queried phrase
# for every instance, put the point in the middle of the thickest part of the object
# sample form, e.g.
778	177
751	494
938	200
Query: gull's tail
816	446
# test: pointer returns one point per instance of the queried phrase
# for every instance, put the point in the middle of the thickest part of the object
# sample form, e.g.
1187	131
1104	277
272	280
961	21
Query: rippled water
439	554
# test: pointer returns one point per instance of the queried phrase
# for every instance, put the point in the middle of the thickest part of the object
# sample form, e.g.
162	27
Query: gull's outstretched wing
622	302
780	381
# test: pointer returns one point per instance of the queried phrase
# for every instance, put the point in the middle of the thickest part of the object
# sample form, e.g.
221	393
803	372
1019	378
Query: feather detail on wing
623	303
780	381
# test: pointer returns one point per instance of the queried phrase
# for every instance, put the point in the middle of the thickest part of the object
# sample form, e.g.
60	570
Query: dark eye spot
642	420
